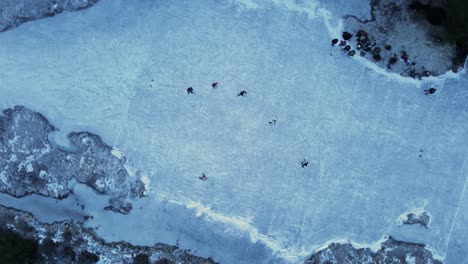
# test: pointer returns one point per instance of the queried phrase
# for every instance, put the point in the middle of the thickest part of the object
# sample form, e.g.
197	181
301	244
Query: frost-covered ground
121	69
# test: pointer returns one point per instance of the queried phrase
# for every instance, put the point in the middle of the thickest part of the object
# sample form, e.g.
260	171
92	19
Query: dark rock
15	248
57	243
442	31
347	48
351	53
359	33
437	16
334	41
392	61
141	259
59	251
119	206
347	35
18	12
421	219
163	261
377	57
86	257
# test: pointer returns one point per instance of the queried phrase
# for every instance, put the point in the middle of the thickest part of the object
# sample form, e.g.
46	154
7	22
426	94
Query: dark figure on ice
392	61
190	90
273	121
242	93
203	177
214	85
430	91
304	163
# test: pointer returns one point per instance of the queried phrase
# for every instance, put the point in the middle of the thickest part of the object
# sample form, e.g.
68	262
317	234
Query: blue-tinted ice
360	129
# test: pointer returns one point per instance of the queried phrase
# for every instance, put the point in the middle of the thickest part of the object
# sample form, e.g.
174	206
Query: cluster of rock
398	37
31	163
415	217
16	12
24	240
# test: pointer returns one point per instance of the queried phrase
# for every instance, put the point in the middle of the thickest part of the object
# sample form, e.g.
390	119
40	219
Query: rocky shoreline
14	13
411	38
390	251
24	240
31	163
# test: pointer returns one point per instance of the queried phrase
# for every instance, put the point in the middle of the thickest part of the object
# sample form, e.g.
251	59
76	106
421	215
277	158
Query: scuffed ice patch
391	251
30	163
71	242
16	12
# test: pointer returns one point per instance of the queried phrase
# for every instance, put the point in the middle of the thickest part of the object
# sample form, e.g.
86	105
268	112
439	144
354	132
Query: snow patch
132	172
13	141
146	182
13	158
117	153
4	179
29	168
309	7
43	174
106	183
410	259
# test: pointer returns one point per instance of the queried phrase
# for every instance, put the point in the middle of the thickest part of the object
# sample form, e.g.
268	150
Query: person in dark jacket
242	93
273	121
203	177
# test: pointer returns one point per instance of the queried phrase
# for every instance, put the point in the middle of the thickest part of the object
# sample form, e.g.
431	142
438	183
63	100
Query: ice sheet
360	128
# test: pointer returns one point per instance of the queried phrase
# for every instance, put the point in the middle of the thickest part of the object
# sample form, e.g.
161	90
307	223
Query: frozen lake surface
121	69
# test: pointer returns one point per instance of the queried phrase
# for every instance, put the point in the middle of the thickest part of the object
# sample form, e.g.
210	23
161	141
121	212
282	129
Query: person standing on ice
430	91
273	121
242	93
214	85
190	90
304	163
203	177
